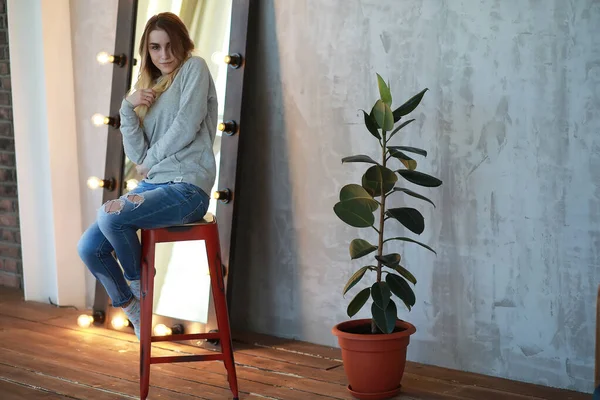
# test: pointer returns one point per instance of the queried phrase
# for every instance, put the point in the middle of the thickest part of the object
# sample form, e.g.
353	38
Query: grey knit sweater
176	139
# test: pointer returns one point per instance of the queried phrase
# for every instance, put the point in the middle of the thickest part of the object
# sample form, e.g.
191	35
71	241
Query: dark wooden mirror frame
115	157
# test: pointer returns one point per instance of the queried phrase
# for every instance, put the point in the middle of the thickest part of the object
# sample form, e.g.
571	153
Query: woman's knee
88	247
109	215
113	214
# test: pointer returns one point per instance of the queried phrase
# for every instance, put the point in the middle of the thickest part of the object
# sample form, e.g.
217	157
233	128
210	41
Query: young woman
168	126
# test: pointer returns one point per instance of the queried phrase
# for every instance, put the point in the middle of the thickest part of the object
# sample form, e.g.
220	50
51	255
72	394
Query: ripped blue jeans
148	206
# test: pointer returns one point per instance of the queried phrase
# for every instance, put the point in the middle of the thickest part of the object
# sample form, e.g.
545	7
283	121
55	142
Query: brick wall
11	272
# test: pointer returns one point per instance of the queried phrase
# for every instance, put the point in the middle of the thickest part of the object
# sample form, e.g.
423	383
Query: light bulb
85	320
132	184
222	195
99	119
227	127
234	60
162	330
217	57
104	58
119	322
94	182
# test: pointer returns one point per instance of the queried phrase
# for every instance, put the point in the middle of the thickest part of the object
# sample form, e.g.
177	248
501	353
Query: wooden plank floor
45	355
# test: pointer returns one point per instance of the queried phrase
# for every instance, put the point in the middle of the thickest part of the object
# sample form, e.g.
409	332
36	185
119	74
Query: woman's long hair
181	46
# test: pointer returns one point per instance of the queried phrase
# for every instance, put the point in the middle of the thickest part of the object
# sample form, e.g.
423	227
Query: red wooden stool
203	230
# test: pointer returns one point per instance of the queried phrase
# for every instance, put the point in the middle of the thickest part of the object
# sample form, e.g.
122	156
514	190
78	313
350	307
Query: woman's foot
135	289
132	310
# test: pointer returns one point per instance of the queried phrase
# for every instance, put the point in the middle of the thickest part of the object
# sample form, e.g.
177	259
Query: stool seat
207	230
208	219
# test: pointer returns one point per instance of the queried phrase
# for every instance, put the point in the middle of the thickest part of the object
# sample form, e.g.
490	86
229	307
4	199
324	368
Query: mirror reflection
182	267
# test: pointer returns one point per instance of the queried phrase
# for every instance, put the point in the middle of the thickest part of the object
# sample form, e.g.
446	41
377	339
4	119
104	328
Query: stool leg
147	291
218	290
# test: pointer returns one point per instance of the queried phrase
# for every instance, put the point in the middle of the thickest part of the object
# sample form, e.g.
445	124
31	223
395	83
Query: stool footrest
175	359
191	336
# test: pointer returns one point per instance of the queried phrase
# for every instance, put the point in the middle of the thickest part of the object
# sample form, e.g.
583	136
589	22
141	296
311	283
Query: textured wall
11	268
93	29
511	125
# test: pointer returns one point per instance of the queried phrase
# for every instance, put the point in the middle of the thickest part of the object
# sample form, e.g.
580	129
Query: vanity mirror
218	28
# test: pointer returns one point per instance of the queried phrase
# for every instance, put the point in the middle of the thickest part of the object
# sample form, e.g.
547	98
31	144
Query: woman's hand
143	171
141	97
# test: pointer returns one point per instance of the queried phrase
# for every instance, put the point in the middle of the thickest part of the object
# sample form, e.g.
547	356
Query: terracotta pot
374	364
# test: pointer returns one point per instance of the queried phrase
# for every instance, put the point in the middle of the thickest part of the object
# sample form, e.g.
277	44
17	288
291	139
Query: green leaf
409	217
389	260
384	91
360	248
413	194
381	294
405	273
419	178
355	278
402	289
357	200
409	106
383	116
406	160
358	302
357	194
385	320
400	127
378	177
353	191
410	149
405	239
371	124
359	158
355	213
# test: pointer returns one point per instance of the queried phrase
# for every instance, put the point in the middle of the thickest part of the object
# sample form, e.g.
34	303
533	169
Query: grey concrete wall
511	123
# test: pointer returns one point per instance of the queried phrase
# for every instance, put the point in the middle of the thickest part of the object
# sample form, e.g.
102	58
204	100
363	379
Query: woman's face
159	48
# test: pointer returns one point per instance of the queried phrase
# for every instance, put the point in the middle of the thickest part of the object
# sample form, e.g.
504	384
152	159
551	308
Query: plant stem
381	224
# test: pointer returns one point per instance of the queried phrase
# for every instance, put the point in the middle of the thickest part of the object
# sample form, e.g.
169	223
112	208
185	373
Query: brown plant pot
374	364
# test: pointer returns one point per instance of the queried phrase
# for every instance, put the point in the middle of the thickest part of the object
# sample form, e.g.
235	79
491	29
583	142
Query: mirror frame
228	167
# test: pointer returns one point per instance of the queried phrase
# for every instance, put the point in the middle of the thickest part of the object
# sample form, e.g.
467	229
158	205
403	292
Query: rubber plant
359	205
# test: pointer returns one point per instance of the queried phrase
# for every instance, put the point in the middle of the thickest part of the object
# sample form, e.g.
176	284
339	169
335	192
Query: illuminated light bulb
94	182
132	184
234	60
104	58
227	127
222	195
162	330
85	320
119	322
99	120
217	57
